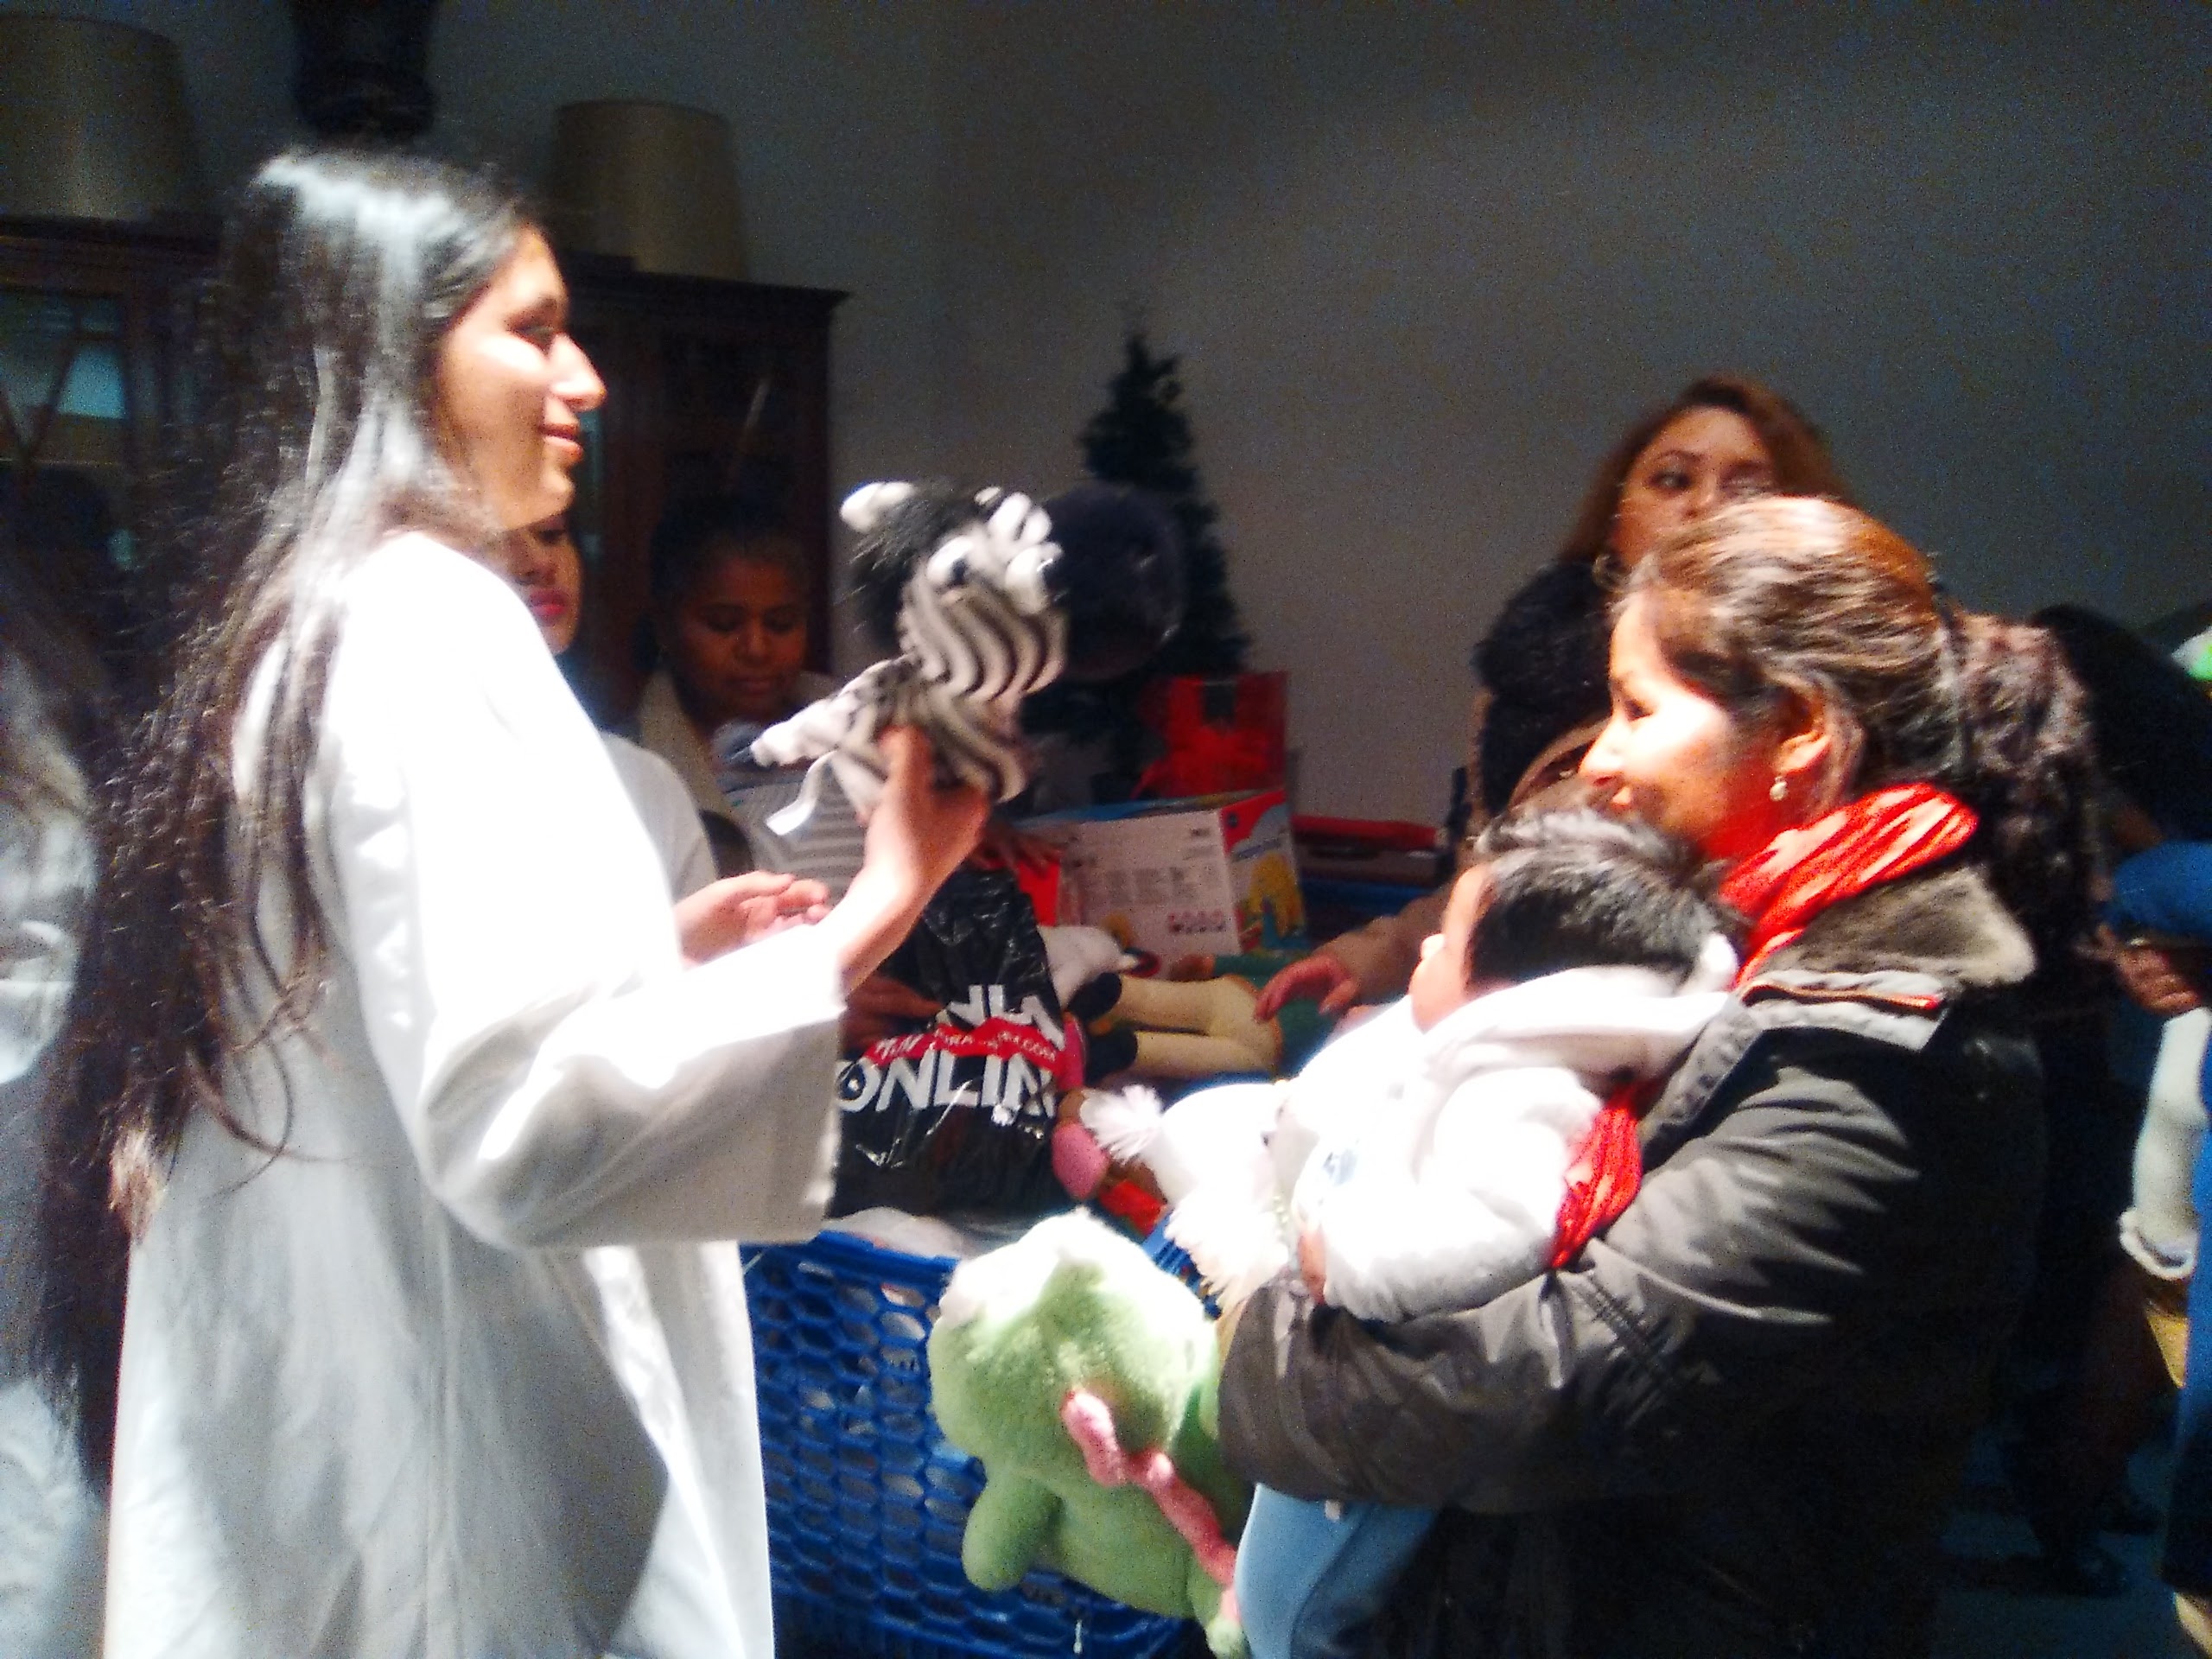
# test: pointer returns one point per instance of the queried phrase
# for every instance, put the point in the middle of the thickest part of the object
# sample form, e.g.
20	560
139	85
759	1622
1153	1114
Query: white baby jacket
1437	1176
1432	1164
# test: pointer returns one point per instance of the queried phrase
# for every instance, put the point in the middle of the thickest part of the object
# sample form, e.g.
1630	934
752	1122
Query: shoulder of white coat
434	596
1381	1032
1355	1067
426	635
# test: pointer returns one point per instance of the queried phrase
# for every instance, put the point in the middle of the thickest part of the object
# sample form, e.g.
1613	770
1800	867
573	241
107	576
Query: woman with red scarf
1732	1424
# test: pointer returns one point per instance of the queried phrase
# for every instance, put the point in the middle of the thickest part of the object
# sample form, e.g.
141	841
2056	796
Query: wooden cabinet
712	387
92	347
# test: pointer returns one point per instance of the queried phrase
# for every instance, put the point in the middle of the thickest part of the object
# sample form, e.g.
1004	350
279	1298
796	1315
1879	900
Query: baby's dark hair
1577	888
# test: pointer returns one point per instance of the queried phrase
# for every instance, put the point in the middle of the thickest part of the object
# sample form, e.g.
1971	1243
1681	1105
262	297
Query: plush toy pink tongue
1079	1160
1090	1424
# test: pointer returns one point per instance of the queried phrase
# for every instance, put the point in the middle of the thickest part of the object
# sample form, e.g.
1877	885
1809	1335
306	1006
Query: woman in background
1541	672
53	1524
730	637
427	1150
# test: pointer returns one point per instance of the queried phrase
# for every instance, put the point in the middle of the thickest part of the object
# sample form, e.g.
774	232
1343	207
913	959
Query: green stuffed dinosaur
1085	1379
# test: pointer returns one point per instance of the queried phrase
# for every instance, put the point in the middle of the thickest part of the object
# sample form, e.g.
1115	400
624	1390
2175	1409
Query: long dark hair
1780	600
315	437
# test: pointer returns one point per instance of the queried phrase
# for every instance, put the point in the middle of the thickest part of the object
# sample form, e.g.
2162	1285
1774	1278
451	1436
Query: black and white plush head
986	597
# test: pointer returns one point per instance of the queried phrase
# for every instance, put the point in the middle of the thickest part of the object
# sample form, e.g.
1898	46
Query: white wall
837	146
1421	264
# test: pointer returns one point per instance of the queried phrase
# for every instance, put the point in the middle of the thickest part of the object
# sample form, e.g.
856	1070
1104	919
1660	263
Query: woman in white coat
423	1135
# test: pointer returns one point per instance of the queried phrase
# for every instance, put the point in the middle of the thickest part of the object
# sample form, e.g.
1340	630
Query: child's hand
1320	978
1313	1264
881	1006
2163	977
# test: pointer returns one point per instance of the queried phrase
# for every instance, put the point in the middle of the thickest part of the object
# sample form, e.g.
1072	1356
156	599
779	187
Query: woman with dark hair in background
53	1532
1540	696
729	638
1733	1424
419	1142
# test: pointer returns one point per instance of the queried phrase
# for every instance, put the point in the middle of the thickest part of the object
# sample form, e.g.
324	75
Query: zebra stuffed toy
988	596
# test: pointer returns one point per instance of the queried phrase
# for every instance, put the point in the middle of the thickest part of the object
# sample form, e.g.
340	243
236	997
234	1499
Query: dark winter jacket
1543	664
1733	1426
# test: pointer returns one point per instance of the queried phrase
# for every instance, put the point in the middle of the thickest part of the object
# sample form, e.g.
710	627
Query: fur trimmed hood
1944	924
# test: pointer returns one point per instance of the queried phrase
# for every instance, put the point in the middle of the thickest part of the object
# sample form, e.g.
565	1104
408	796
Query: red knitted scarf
1874	839
1783	887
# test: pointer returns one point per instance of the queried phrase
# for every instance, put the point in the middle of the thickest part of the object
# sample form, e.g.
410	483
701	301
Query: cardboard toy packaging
1215	873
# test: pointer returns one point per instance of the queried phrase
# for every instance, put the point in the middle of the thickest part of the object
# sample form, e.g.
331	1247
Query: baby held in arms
1472	1135
1496	1130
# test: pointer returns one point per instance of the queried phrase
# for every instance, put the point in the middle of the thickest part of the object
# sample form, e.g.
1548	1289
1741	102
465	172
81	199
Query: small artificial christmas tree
1142	439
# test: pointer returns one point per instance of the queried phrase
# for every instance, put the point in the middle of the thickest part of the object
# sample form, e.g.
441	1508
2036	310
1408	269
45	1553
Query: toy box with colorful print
1213	873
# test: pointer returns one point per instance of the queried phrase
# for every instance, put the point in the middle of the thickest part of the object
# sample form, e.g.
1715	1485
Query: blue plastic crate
866	1501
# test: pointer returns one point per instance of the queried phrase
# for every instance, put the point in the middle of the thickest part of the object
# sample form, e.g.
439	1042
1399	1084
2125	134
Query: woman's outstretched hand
725	914
917	835
1317	978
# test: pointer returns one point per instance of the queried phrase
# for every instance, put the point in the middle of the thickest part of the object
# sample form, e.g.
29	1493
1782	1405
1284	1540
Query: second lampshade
655	181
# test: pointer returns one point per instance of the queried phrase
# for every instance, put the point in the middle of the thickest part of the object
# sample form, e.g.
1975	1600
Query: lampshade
655	181
92	122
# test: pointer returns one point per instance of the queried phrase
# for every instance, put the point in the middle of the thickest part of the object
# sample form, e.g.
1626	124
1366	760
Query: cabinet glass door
67	452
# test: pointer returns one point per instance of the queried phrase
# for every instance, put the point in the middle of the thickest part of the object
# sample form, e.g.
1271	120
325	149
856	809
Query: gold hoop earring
1780	789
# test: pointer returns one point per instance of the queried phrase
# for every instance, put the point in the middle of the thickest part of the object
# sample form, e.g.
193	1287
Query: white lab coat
459	1375
51	1523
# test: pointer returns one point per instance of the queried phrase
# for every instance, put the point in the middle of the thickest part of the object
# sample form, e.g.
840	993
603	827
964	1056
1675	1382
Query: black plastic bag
959	1116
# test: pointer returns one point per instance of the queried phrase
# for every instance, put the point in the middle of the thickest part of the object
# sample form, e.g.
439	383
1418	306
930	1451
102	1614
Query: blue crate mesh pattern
866	1499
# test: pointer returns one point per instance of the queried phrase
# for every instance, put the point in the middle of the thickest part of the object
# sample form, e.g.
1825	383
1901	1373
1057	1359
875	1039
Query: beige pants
2165	1305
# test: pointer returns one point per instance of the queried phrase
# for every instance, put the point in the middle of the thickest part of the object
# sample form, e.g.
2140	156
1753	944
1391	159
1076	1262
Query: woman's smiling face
513	389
